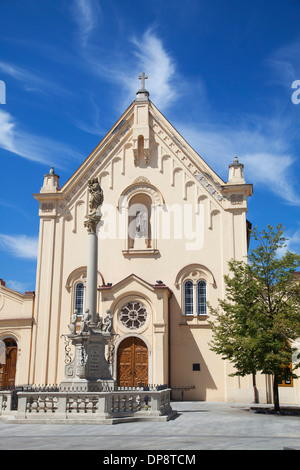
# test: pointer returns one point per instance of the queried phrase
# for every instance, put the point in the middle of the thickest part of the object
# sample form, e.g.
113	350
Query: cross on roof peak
142	94
143	77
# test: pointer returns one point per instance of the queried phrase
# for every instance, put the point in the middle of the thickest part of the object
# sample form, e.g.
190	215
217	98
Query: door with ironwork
8	363
132	363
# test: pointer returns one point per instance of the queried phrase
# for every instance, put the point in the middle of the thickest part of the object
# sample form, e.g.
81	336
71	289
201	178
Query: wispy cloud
18	286
292	243
263	150
132	55
260	142
16	208
31	81
86	14
93	124
152	56
20	246
145	54
33	147
285	64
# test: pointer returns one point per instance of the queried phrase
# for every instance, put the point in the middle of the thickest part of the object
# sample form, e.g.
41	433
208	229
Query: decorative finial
236	172
51	182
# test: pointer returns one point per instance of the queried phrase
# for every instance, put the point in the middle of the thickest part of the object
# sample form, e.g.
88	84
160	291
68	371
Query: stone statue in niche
141	224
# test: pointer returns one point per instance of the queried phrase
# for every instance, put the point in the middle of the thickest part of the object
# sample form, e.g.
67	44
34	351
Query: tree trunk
276	394
256	399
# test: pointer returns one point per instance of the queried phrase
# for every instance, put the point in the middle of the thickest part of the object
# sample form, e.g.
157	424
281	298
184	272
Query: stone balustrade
108	406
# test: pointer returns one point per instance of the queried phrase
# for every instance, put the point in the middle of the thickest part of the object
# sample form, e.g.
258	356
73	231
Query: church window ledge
195	321
140	252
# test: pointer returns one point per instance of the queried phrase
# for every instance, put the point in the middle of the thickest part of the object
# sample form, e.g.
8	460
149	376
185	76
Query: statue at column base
89	370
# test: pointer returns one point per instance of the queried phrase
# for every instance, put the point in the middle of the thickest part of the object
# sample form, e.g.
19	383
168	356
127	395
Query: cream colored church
168	227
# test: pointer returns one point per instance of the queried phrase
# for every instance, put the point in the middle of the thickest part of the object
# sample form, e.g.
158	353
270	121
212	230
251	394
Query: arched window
188	298
79	296
195	280
201	298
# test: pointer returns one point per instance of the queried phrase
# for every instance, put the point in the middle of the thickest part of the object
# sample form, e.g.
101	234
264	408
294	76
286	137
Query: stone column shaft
91	281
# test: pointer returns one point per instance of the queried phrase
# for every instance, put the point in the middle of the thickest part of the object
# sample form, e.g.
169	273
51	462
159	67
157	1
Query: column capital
92	222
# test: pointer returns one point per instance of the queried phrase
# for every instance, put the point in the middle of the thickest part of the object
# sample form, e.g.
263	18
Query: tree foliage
259	318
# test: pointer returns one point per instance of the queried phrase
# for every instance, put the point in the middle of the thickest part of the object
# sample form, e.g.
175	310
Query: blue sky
221	73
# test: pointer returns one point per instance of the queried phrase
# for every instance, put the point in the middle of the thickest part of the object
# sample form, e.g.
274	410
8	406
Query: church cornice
247	187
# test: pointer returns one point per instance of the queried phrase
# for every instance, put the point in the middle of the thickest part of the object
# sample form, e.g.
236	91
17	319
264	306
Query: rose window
133	315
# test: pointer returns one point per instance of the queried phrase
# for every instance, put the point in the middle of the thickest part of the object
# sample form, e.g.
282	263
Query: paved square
199	426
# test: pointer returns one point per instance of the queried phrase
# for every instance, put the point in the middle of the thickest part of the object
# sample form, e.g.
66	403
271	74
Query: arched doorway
132	363
8	363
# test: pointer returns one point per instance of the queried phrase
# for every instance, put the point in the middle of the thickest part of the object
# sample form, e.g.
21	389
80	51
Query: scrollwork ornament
68	358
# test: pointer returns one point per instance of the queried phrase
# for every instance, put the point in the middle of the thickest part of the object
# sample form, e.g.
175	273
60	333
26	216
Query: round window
133	315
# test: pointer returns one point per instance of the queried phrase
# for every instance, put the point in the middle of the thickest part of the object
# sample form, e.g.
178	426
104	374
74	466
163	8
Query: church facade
169	225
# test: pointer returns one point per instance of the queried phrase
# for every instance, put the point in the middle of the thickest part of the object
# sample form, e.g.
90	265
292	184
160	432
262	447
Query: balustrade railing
51	402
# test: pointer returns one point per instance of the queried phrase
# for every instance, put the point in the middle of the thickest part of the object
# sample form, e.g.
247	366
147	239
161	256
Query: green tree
259	318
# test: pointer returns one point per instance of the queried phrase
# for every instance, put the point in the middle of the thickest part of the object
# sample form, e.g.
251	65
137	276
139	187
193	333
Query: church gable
140	142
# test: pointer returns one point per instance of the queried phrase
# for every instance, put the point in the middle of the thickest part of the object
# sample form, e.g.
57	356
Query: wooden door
132	363
8	365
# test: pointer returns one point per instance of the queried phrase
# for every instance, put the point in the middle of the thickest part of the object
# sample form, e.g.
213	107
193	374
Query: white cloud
285	63
31	81
86	14
292	243
33	147
263	150
20	246
16	285
146	54
155	60
274	171
6	131
260	143
130	57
